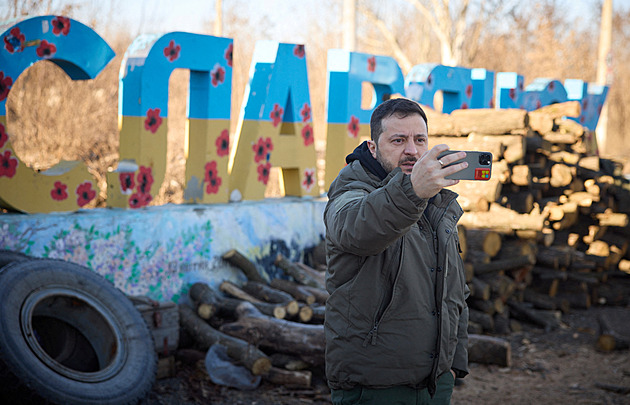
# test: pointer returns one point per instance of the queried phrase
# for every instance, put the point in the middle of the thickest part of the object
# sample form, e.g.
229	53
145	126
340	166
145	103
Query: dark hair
401	107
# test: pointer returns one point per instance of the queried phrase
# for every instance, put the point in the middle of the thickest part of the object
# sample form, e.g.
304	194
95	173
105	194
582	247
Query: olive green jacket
397	312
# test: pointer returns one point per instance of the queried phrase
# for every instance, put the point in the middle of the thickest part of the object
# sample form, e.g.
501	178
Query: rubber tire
71	337
9	256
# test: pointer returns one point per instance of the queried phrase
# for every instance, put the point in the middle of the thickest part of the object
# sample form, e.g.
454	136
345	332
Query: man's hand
428	174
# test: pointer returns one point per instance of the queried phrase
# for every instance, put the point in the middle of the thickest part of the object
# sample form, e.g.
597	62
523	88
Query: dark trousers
397	395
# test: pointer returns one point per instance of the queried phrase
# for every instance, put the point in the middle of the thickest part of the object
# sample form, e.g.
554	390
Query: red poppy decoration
430	80
512	94
61	25
584	104
85	194
353	127
371	64
223	143
127	182
8	164
14	42
276	114
3	136
491	103
5	85
464	106
538	104
299	51
218	75
228	54
307	134
172	51
306	112
153	121
145	180
136	201
260	150
309	179
59	192
263	172
551	86
46	49
469	91
268	144
213	181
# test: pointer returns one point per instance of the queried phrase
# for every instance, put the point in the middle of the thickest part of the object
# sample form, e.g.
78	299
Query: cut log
319	276
554	257
503	219
521	175
237	259
205	336
320	295
295	271
504	264
288	378
288	362
233	290
480	289
488	121
278	334
489	350
609	339
549	320
296	290
264	292
561	175
482	318
485	240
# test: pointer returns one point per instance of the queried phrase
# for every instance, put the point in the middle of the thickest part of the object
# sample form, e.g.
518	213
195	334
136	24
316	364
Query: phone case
479	166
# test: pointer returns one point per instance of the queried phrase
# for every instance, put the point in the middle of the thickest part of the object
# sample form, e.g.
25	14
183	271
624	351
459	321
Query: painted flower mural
46	49
61	25
172	51
217	75
223	143
276	114
263	172
8	164
59	192
309	179
299	51
212	179
371	67
14	41
261	149
5	85
305	112
127	182
229	54
353	127
307	134
3	136
153	120
85	193
145	179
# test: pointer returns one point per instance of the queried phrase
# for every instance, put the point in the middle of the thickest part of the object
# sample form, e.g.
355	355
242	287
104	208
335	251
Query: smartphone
479	165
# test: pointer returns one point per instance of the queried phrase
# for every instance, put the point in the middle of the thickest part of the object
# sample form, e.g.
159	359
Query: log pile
549	232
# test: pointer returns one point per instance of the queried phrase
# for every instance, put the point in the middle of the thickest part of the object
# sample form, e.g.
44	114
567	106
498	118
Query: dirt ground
558	367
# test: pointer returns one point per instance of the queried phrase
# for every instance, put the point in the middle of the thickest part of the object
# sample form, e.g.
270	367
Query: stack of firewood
549	231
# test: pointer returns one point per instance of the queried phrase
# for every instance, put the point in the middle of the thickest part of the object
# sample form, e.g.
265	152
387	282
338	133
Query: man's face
402	142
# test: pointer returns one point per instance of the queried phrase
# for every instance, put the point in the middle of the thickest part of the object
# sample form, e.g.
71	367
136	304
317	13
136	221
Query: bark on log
503	219
296	290
264	292
488	120
288	378
484	319
545	319
319	276
521	175
233	290
295	271
480	289
504	264
237	259
277	334
489	350
288	362
205	336
561	175
320	295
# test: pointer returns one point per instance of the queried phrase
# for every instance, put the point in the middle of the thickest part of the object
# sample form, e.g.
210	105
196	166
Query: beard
389	166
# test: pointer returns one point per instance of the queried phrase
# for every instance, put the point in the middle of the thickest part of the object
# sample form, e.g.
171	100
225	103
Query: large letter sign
145	74
455	83
347	121
82	54
276	124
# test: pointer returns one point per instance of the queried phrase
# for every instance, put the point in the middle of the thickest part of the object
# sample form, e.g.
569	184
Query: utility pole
604	71
218	22
349	24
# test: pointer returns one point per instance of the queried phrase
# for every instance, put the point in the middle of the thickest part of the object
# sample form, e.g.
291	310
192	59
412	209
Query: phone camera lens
485	159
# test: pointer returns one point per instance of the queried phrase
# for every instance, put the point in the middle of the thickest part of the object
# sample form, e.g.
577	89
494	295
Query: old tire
71	337
9	256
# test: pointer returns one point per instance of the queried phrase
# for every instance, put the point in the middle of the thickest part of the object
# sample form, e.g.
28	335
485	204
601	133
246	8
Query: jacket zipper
371	336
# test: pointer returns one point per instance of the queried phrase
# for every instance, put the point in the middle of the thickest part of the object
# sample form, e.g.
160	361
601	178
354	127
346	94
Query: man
396	320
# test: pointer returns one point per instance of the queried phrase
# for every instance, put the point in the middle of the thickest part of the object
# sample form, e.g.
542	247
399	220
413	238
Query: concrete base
159	251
